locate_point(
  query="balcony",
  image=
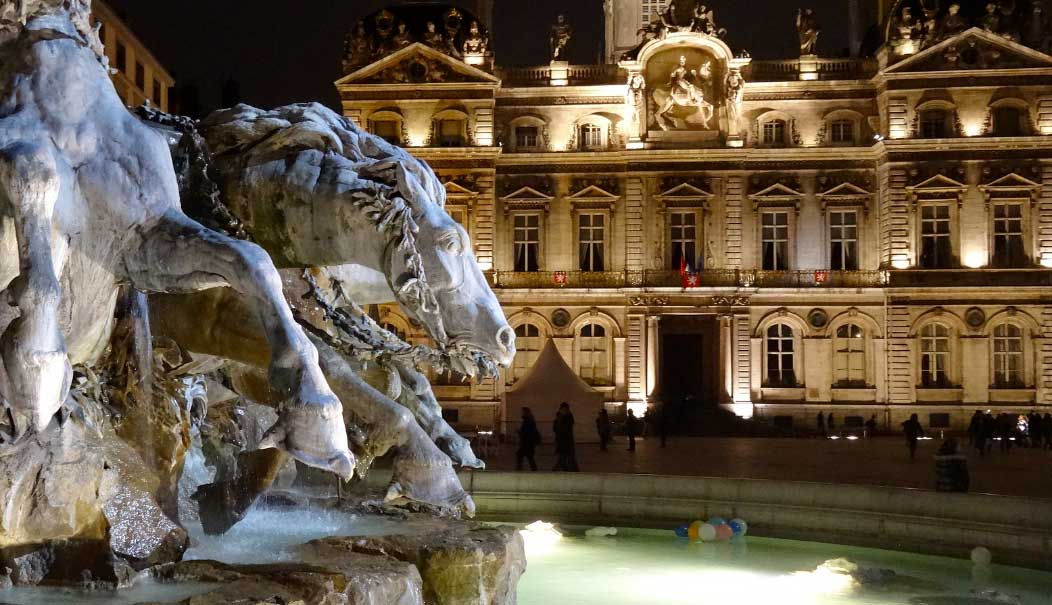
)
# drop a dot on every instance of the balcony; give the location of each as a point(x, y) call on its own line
point(827, 69)
point(718, 278)
point(578, 75)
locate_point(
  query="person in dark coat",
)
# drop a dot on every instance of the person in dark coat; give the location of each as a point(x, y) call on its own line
point(951, 468)
point(529, 439)
point(871, 427)
point(604, 428)
point(975, 428)
point(565, 449)
point(631, 427)
point(821, 424)
point(913, 431)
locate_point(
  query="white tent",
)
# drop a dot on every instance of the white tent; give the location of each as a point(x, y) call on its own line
point(549, 383)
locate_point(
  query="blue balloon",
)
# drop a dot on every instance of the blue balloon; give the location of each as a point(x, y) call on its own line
point(682, 531)
point(717, 521)
point(738, 526)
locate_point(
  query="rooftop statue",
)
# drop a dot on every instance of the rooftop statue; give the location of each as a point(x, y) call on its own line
point(704, 21)
point(904, 26)
point(358, 48)
point(560, 37)
point(953, 23)
point(475, 43)
point(1036, 31)
point(808, 30)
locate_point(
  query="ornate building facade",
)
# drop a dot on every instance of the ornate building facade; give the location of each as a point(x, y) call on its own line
point(864, 236)
point(138, 77)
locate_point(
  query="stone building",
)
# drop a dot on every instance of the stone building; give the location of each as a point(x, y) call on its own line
point(138, 76)
point(865, 236)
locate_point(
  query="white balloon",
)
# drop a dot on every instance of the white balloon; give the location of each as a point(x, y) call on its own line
point(707, 533)
point(981, 555)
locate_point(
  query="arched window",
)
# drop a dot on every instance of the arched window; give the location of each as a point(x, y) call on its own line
point(774, 133)
point(850, 359)
point(528, 344)
point(594, 351)
point(1008, 121)
point(934, 124)
point(1008, 357)
point(591, 137)
point(935, 356)
point(781, 356)
point(393, 329)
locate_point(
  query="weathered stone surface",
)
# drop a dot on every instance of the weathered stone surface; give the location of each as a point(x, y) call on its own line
point(460, 564)
point(334, 578)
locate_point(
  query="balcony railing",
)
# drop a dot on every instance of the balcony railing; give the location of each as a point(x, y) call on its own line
point(827, 69)
point(577, 75)
point(718, 278)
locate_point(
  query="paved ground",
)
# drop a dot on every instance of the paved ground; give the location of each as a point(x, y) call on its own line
point(880, 461)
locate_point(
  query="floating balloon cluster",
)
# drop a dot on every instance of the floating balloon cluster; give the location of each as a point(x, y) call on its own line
point(716, 529)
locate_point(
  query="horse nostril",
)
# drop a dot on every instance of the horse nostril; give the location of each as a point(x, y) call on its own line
point(506, 339)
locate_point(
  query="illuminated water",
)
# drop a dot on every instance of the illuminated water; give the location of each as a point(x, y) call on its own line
point(640, 567)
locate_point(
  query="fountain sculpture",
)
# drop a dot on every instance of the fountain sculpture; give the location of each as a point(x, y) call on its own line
point(127, 318)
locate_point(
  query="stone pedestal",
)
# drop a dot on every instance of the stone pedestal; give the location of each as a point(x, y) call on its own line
point(809, 67)
point(560, 73)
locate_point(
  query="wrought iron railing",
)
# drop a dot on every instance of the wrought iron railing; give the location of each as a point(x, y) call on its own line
point(717, 278)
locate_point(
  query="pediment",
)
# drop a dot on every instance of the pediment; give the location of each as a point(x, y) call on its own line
point(454, 189)
point(938, 183)
point(527, 194)
point(417, 64)
point(593, 192)
point(776, 191)
point(973, 49)
point(685, 191)
point(1011, 182)
point(845, 190)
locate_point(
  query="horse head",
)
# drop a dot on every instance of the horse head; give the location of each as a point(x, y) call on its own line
point(315, 190)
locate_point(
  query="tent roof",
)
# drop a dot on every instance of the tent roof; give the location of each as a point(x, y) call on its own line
point(551, 378)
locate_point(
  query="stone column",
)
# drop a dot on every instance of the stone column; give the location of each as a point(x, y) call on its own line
point(653, 358)
point(726, 358)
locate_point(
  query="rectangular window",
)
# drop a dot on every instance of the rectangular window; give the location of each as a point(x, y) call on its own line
point(157, 93)
point(651, 9)
point(451, 133)
point(683, 240)
point(1008, 357)
point(527, 242)
point(140, 76)
point(843, 240)
point(526, 137)
point(775, 235)
point(122, 57)
point(935, 356)
point(1009, 250)
point(460, 215)
point(774, 132)
point(936, 246)
point(1008, 122)
point(591, 236)
point(842, 132)
point(387, 130)
point(591, 137)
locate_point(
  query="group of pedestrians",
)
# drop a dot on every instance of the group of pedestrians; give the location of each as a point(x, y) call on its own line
point(563, 429)
point(1008, 430)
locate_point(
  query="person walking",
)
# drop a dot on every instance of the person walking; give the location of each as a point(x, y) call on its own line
point(604, 428)
point(529, 439)
point(975, 428)
point(565, 449)
point(831, 424)
point(821, 424)
point(1035, 429)
point(913, 430)
point(871, 427)
point(631, 426)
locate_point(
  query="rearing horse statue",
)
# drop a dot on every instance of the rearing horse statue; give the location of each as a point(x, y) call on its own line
point(88, 202)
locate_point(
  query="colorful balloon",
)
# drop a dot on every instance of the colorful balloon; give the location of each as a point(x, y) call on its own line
point(682, 531)
point(724, 532)
point(692, 530)
point(717, 521)
point(707, 533)
point(739, 526)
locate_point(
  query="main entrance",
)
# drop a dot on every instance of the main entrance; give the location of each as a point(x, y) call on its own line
point(690, 361)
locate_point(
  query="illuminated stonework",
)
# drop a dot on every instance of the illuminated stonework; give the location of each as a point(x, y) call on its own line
point(813, 242)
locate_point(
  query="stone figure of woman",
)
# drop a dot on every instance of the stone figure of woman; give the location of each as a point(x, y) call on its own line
point(636, 101)
point(735, 98)
point(561, 34)
point(953, 23)
point(808, 30)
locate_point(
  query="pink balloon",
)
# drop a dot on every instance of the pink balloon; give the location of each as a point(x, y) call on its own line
point(724, 533)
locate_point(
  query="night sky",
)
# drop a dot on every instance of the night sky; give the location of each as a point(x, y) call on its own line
point(286, 51)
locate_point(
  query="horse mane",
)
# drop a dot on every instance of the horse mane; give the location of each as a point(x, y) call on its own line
point(16, 14)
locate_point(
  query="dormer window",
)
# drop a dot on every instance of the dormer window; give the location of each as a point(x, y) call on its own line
point(387, 130)
point(774, 133)
point(527, 138)
point(934, 124)
point(842, 132)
